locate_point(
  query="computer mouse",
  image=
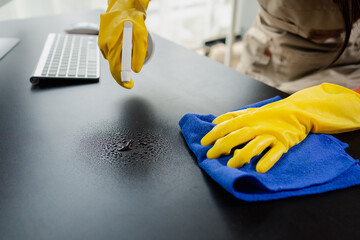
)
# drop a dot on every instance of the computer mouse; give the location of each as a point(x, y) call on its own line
point(84, 28)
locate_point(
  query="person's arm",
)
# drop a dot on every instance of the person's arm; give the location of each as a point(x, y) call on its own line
point(110, 35)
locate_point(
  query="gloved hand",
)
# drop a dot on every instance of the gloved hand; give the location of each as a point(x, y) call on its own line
point(326, 108)
point(110, 35)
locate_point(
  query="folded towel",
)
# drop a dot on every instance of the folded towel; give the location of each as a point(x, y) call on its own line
point(317, 164)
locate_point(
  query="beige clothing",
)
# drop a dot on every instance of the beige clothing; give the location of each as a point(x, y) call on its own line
point(291, 42)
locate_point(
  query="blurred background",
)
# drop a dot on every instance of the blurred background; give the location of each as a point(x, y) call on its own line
point(200, 25)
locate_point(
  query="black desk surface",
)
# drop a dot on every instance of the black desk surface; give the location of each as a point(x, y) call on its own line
point(62, 178)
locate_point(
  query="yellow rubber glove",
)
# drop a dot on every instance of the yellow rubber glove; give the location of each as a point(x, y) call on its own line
point(326, 108)
point(111, 34)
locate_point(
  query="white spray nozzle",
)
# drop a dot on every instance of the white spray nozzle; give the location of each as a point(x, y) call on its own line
point(126, 52)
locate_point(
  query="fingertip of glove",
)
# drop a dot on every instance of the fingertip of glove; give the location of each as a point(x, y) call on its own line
point(261, 168)
point(210, 155)
point(136, 68)
point(128, 85)
point(204, 142)
point(215, 121)
point(232, 163)
point(213, 153)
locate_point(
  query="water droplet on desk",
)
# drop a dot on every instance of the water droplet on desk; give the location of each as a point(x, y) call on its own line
point(127, 146)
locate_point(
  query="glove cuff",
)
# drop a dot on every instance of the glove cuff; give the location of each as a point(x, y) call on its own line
point(333, 88)
point(331, 108)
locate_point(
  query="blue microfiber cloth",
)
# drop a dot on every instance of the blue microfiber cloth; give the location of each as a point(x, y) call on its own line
point(318, 164)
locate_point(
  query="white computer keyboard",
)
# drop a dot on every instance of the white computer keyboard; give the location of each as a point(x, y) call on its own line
point(68, 57)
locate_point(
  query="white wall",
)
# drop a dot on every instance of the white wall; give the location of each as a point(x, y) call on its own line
point(186, 22)
point(31, 8)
